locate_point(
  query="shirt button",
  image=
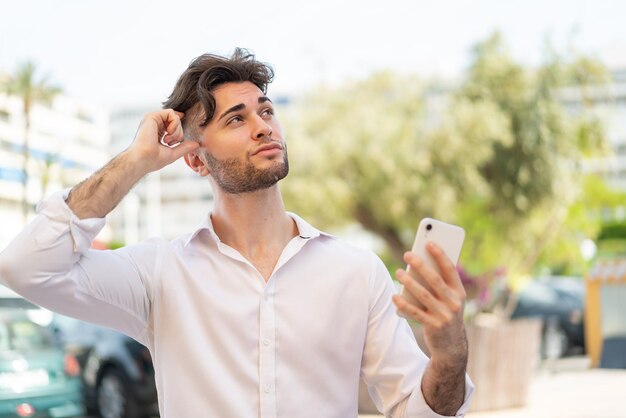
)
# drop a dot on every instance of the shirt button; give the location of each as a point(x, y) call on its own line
point(268, 389)
point(266, 341)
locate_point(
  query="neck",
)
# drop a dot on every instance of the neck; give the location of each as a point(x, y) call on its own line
point(254, 222)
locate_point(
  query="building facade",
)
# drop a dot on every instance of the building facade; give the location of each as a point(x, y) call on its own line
point(609, 104)
point(67, 142)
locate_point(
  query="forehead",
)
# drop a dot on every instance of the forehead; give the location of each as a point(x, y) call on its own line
point(231, 94)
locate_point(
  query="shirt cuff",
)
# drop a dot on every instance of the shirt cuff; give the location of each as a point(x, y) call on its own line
point(418, 408)
point(82, 231)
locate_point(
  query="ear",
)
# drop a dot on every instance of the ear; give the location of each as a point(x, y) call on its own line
point(197, 163)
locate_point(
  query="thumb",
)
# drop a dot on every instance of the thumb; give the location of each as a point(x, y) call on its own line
point(185, 147)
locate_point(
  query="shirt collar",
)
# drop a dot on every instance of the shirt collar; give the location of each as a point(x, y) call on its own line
point(305, 230)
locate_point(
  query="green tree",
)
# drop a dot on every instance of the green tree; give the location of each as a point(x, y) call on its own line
point(534, 178)
point(50, 161)
point(498, 154)
point(586, 219)
point(31, 90)
point(374, 152)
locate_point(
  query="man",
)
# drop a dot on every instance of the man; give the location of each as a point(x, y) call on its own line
point(256, 313)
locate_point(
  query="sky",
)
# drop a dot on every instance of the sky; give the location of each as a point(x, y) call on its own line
point(123, 53)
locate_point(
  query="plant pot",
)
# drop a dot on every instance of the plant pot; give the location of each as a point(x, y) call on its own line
point(502, 359)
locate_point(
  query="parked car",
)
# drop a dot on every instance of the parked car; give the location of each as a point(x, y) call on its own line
point(37, 378)
point(11, 300)
point(117, 372)
point(559, 301)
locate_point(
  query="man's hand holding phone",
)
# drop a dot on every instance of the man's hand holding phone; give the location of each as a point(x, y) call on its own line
point(433, 293)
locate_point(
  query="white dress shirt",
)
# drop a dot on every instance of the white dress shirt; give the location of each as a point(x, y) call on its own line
point(223, 341)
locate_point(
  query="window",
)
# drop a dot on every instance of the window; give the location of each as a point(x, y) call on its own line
point(27, 335)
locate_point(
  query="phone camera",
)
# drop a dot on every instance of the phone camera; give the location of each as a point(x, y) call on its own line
point(429, 227)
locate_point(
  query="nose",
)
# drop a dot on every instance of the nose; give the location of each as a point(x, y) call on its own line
point(263, 130)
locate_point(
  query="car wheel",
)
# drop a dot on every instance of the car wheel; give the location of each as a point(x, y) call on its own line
point(554, 342)
point(114, 396)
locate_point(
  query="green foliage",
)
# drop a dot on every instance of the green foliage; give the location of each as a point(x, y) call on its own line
point(29, 88)
point(614, 230)
point(498, 154)
point(584, 220)
point(611, 249)
point(113, 245)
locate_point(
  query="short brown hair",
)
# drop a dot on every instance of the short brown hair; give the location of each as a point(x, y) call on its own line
point(195, 86)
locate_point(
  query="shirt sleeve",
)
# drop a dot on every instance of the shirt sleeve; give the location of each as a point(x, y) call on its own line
point(51, 264)
point(393, 364)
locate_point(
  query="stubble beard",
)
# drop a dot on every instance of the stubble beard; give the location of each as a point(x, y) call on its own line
point(235, 176)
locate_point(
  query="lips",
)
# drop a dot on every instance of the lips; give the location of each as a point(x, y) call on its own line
point(268, 147)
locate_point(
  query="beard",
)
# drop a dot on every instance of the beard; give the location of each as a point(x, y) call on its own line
point(235, 176)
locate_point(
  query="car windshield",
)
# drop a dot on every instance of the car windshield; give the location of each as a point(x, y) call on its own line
point(539, 293)
point(22, 335)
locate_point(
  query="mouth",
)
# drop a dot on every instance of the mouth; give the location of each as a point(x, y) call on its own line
point(268, 149)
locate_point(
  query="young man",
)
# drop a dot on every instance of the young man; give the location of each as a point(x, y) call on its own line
point(255, 313)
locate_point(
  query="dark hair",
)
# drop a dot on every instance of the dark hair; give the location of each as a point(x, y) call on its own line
point(207, 72)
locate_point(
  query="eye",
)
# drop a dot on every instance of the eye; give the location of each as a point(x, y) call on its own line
point(234, 120)
point(267, 112)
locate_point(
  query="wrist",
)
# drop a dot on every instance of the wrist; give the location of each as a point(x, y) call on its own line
point(452, 363)
point(134, 165)
point(454, 356)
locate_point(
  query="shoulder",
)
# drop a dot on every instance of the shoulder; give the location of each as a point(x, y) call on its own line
point(345, 259)
point(344, 249)
point(322, 240)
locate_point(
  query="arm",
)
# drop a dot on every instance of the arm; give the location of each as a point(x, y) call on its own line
point(443, 383)
point(50, 261)
point(100, 193)
point(398, 374)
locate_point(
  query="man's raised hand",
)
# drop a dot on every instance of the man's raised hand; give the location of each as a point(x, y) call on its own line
point(160, 140)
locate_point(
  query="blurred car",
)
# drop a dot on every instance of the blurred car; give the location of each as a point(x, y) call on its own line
point(559, 302)
point(37, 379)
point(117, 371)
point(11, 300)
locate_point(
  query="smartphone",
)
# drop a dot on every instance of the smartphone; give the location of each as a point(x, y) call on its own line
point(447, 236)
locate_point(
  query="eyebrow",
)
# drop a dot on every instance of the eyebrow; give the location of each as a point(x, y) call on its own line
point(241, 106)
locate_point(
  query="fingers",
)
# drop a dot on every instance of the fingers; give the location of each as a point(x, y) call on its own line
point(409, 310)
point(439, 300)
point(159, 139)
point(184, 148)
point(422, 316)
point(171, 122)
point(449, 272)
point(440, 291)
point(439, 312)
point(440, 287)
point(173, 136)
